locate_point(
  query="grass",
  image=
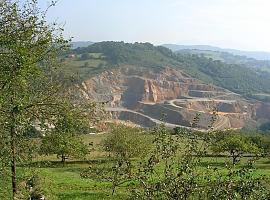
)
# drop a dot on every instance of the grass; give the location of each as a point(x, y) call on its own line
point(84, 68)
point(64, 182)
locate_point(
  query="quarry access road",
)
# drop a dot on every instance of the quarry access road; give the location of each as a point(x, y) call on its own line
point(222, 121)
point(156, 121)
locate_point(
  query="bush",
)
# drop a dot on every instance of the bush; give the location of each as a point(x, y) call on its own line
point(127, 142)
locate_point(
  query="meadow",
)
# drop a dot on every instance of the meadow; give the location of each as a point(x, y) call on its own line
point(65, 181)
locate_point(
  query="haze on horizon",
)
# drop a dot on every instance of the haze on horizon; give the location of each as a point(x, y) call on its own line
point(241, 24)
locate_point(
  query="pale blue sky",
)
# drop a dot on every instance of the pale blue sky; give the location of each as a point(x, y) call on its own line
point(241, 24)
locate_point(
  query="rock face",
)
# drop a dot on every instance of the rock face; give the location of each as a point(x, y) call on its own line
point(128, 86)
point(145, 96)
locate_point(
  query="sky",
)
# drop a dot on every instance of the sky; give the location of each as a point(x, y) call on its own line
point(239, 24)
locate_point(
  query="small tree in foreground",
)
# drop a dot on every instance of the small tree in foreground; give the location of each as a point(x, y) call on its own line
point(235, 145)
point(124, 144)
point(173, 170)
point(262, 142)
point(63, 139)
point(64, 145)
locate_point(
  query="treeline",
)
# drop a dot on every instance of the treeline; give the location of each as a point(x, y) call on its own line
point(229, 58)
point(140, 54)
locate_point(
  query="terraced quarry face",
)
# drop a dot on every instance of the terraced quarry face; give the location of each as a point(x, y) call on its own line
point(148, 97)
point(228, 113)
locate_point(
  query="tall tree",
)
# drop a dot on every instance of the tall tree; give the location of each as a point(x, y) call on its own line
point(29, 49)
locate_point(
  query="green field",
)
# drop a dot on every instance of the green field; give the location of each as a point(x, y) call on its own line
point(65, 182)
point(84, 68)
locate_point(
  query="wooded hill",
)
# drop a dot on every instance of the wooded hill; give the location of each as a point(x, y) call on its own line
point(98, 57)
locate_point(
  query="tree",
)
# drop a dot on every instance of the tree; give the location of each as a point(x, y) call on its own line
point(125, 143)
point(86, 64)
point(265, 127)
point(173, 170)
point(64, 145)
point(29, 50)
point(235, 144)
point(63, 139)
point(262, 142)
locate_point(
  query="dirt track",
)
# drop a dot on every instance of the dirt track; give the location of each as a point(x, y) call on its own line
point(156, 121)
point(221, 122)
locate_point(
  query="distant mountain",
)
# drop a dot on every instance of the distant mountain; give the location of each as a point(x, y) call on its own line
point(259, 55)
point(75, 45)
point(230, 58)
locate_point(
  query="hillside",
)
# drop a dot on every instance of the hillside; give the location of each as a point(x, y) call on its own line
point(142, 82)
point(259, 55)
point(102, 56)
point(75, 45)
point(147, 97)
point(237, 78)
point(229, 58)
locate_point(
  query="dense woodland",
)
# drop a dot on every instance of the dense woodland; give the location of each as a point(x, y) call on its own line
point(47, 146)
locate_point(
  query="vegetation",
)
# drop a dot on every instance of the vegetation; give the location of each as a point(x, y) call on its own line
point(229, 58)
point(63, 138)
point(235, 77)
point(182, 167)
point(40, 114)
point(173, 171)
point(126, 142)
point(235, 145)
point(123, 144)
point(32, 94)
point(163, 166)
point(265, 126)
point(27, 56)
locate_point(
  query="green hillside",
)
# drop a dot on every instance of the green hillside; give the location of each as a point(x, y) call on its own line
point(237, 78)
point(229, 58)
point(258, 55)
point(91, 60)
